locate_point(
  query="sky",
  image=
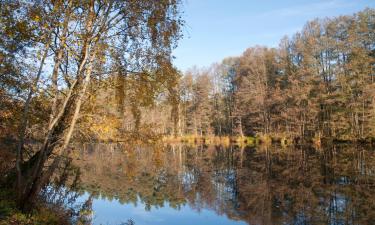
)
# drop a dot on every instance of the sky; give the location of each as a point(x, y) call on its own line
point(216, 29)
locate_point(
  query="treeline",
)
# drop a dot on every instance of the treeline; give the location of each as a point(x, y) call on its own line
point(318, 83)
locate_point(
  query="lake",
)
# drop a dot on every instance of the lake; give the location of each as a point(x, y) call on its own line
point(232, 185)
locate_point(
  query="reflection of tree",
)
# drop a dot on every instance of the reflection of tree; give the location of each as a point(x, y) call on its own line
point(62, 192)
point(301, 191)
point(267, 185)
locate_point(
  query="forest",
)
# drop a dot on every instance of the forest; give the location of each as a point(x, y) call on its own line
point(102, 71)
point(319, 83)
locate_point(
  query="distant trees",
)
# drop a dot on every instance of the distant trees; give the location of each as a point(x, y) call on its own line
point(320, 82)
point(195, 102)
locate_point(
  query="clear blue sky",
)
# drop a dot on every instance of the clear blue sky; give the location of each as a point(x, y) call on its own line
point(216, 29)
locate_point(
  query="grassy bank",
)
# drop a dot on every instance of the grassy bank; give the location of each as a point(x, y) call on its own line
point(227, 140)
point(41, 214)
point(9, 213)
point(44, 212)
point(264, 139)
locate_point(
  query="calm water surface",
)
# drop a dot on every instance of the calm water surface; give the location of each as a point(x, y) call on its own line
point(180, 184)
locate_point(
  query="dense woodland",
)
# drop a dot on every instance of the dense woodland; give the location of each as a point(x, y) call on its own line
point(319, 83)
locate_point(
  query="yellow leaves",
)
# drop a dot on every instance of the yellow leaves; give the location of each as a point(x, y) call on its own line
point(104, 127)
point(36, 18)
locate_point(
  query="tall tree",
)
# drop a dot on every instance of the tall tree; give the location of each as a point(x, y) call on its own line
point(86, 35)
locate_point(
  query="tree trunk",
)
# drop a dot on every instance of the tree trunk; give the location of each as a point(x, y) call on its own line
point(240, 126)
point(24, 122)
point(59, 131)
point(58, 59)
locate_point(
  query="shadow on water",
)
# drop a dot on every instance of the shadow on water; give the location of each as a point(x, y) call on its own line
point(228, 185)
point(63, 191)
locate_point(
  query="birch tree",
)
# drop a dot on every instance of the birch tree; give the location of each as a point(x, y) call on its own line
point(85, 38)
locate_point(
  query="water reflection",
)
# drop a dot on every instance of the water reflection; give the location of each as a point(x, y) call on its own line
point(180, 184)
